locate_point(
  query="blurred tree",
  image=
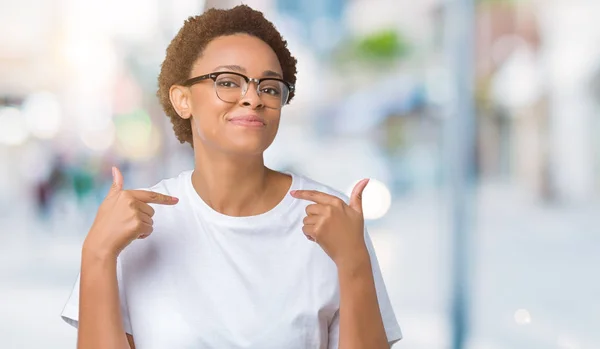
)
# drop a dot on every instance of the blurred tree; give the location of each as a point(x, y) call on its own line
point(384, 45)
point(378, 49)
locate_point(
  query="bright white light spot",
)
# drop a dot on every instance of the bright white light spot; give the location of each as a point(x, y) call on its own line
point(13, 130)
point(99, 139)
point(522, 317)
point(377, 199)
point(91, 58)
point(42, 113)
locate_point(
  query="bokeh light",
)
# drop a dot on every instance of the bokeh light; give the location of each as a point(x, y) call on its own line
point(43, 114)
point(13, 129)
point(99, 139)
point(522, 317)
point(377, 199)
point(137, 138)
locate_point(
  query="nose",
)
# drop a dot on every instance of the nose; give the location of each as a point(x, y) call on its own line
point(251, 97)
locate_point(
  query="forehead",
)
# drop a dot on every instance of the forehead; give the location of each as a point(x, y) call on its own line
point(246, 51)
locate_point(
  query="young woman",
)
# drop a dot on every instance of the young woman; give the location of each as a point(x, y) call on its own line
point(231, 254)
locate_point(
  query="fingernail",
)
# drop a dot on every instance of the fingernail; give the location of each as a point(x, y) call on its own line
point(293, 192)
point(174, 199)
point(113, 171)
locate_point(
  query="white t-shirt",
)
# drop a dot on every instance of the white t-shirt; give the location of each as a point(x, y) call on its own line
point(207, 280)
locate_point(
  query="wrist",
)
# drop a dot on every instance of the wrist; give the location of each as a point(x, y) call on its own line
point(92, 253)
point(357, 263)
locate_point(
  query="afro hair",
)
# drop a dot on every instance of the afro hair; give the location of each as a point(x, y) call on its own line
point(191, 40)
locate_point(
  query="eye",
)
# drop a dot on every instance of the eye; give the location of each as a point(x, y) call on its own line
point(229, 81)
point(271, 88)
point(271, 91)
point(227, 84)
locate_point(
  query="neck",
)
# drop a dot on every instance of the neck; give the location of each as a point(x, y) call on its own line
point(232, 185)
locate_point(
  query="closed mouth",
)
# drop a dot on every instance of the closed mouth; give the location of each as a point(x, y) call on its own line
point(247, 120)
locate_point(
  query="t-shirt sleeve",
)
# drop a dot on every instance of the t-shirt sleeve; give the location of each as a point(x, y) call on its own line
point(70, 313)
point(392, 328)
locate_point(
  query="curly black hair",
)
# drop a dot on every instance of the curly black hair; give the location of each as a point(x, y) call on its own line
point(191, 40)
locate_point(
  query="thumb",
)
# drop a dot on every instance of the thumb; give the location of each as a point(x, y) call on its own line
point(356, 196)
point(117, 185)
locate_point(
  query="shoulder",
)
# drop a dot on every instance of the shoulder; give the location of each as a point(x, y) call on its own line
point(166, 219)
point(177, 186)
point(305, 183)
point(171, 186)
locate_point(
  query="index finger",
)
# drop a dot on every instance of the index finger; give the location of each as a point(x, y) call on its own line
point(151, 197)
point(315, 196)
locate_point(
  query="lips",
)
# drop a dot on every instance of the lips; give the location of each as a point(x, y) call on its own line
point(247, 120)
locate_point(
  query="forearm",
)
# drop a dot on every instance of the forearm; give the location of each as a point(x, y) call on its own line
point(100, 320)
point(361, 325)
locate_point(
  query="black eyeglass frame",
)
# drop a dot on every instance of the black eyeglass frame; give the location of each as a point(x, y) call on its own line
point(215, 75)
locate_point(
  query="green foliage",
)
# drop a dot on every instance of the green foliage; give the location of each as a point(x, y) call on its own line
point(382, 47)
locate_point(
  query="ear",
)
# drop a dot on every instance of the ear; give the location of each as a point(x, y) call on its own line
point(180, 99)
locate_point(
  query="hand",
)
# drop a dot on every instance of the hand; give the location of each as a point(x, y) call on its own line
point(338, 228)
point(123, 216)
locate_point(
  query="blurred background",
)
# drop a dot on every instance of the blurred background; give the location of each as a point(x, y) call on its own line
point(507, 236)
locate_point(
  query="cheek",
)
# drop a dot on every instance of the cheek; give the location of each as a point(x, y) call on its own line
point(208, 115)
point(274, 126)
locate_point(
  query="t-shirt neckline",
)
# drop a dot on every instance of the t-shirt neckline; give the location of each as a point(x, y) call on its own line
point(273, 214)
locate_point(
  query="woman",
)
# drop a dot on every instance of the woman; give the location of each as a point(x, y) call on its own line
point(232, 254)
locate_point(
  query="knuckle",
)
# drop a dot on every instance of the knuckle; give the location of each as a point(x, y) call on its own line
point(131, 204)
point(137, 224)
point(154, 195)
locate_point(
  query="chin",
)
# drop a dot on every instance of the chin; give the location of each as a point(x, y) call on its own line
point(250, 147)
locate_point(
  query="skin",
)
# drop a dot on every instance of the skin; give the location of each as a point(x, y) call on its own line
point(231, 177)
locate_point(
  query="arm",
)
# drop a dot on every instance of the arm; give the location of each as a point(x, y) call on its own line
point(100, 321)
point(361, 325)
point(339, 229)
point(123, 216)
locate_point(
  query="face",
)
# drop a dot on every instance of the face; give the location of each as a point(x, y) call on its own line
point(243, 127)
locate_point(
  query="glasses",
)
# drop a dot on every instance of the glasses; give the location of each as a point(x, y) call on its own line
point(231, 87)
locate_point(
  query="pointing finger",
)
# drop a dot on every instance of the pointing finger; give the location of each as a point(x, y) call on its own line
point(151, 197)
point(315, 196)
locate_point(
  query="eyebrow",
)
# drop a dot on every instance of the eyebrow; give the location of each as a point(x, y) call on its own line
point(239, 69)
